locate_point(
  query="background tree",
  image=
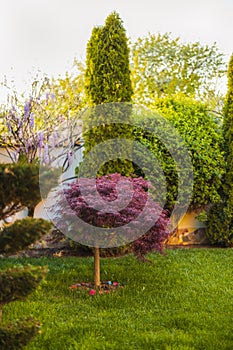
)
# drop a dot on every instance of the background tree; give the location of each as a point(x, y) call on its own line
point(162, 65)
point(27, 124)
point(220, 217)
point(65, 95)
point(228, 143)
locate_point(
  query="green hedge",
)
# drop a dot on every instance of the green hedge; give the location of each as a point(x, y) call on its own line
point(201, 133)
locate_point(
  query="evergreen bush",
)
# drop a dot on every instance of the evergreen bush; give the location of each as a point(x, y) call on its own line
point(16, 335)
point(199, 129)
point(19, 187)
point(21, 234)
point(220, 218)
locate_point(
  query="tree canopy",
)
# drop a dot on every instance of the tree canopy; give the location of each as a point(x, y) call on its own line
point(162, 65)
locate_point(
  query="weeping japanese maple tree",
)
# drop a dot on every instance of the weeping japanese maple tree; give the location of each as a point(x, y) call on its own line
point(90, 217)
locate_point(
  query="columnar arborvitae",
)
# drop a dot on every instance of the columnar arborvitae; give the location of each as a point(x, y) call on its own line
point(107, 80)
point(228, 149)
point(220, 221)
point(228, 138)
point(107, 72)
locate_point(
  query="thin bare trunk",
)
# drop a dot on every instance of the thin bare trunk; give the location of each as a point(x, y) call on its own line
point(31, 211)
point(97, 267)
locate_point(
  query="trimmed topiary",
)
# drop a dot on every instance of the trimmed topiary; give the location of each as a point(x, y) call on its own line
point(19, 187)
point(18, 283)
point(21, 234)
point(15, 336)
point(15, 285)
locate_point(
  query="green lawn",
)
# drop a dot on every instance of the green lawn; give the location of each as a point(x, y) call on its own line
point(183, 301)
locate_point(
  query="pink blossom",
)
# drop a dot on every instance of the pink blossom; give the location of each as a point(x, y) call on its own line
point(92, 292)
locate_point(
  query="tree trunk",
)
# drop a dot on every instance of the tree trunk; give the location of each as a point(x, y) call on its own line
point(31, 211)
point(0, 312)
point(97, 267)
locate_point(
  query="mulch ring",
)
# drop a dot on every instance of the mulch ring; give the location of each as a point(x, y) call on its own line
point(104, 288)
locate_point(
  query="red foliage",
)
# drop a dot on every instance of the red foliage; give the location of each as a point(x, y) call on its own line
point(99, 210)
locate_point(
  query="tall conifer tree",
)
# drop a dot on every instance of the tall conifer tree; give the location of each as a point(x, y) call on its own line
point(107, 72)
point(108, 81)
point(228, 149)
point(220, 221)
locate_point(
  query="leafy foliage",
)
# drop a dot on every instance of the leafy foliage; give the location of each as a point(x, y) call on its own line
point(107, 80)
point(27, 126)
point(200, 131)
point(18, 283)
point(217, 221)
point(162, 65)
point(19, 184)
point(220, 218)
point(15, 336)
point(21, 234)
point(107, 188)
point(228, 140)
point(19, 187)
point(65, 96)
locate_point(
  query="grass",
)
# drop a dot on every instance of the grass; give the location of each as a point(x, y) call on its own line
point(183, 301)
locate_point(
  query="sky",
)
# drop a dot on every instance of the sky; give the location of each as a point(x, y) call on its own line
point(45, 36)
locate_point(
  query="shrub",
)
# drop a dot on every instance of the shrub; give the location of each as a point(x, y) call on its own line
point(220, 218)
point(19, 186)
point(200, 131)
point(14, 336)
point(21, 234)
point(18, 283)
